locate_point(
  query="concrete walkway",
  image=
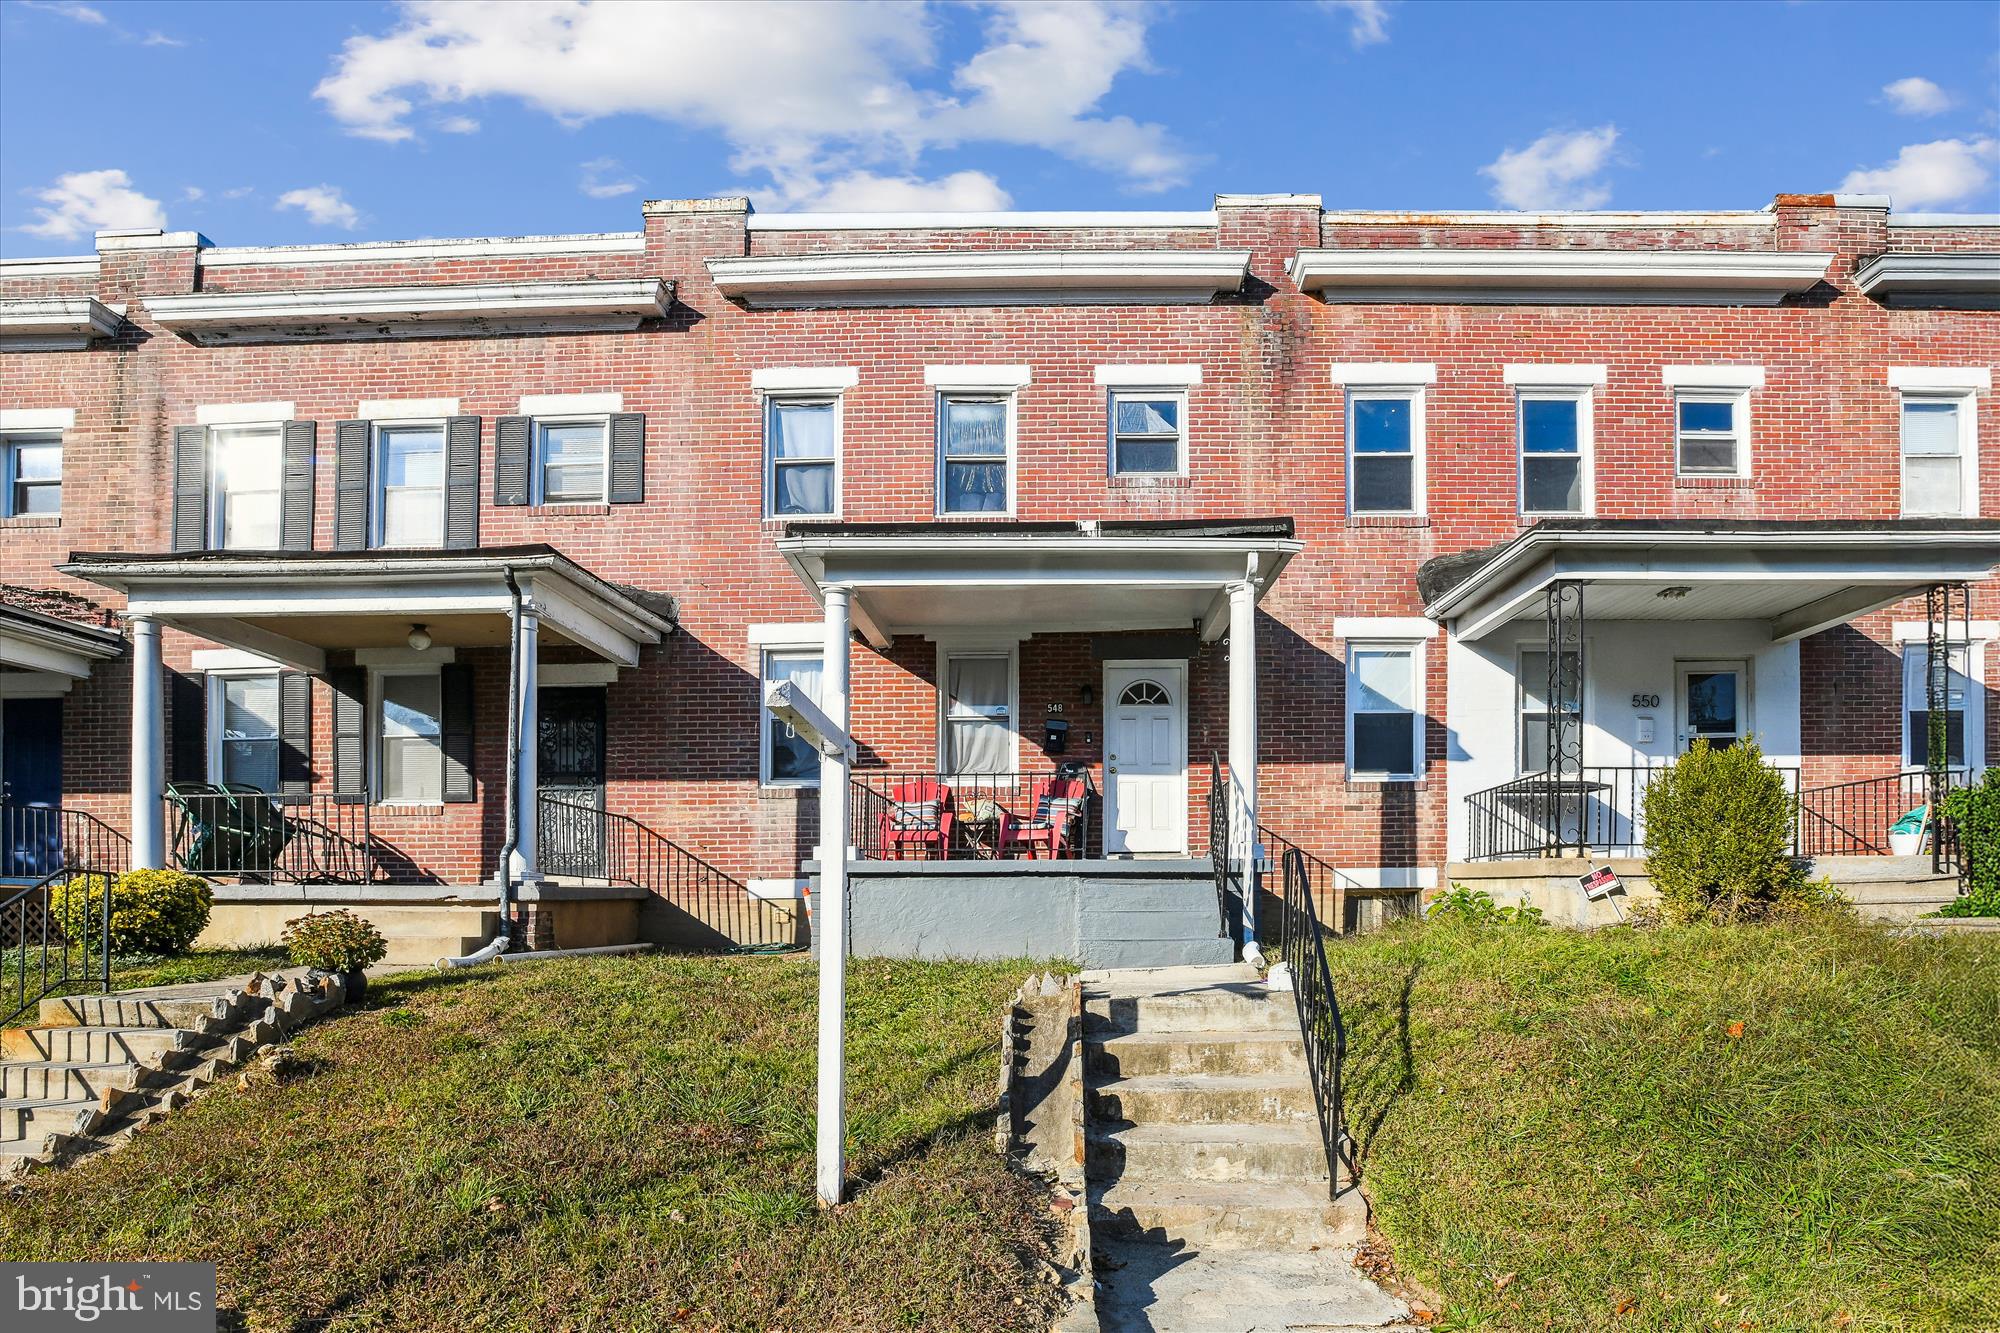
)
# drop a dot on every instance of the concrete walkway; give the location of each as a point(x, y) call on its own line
point(1207, 1175)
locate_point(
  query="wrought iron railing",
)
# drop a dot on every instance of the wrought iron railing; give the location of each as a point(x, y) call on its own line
point(1854, 818)
point(941, 817)
point(44, 951)
point(1601, 810)
point(719, 912)
point(1218, 845)
point(242, 833)
point(1302, 945)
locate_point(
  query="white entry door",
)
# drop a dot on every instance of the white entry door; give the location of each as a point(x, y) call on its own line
point(1714, 703)
point(1145, 758)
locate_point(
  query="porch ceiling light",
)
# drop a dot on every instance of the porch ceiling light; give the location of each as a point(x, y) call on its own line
point(1673, 594)
point(420, 638)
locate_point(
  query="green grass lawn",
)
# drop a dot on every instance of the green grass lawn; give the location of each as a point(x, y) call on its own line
point(1705, 1128)
point(609, 1143)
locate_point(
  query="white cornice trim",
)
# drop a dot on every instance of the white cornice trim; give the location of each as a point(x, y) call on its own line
point(1962, 379)
point(1146, 377)
point(1712, 377)
point(804, 379)
point(982, 277)
point(37, 418)
point(1500, 217)
point(56, 323)
point(1555, 377)
point(242, 414)
point(1622, 277)
point(1384, 627)
point(368, 312)
point(561, 404)
point(396, 252)
point(1965, 274)
point(1944, 219)
point(51, 266)
point(977, 377)
point(972, 221)
point(1388, 374)
point(405, 409)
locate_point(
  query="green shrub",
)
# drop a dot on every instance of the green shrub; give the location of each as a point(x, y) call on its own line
point(336, 941)
point(1476, 907)
point(152, 911)
point(1975, 812)
point(1719, 836)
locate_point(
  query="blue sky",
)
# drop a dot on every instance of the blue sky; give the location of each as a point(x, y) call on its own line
point(270, 123)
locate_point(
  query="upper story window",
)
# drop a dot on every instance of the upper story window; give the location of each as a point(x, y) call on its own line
point(246, 488)
point(1384, 711)
point(410, 485)
point(802, 453)
point(572, 461)
point(975, 453)
point(1385, 447)
point(1554, 452)
point(1146, 432)
point(34, 475)
point(1937, 451)
point(1711, 438)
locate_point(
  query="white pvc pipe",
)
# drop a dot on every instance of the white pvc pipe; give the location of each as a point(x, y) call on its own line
point(493, 949)
point(537, 955)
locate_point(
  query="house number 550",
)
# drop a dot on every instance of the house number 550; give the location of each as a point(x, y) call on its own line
point(1645, 701)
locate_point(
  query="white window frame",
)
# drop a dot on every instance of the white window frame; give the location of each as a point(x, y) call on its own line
point(1009, 648)
point(767, 401)
point(1586, 446)
point(377, 497)
point(377, 791)
point(766, 650)
point(1177, 393)
point(538, 456)
point(1415, 649)
point(1738, 401)
point(1521, 710)
point(1966, 401)
point(1917, 648)
point(12, 441)
point(217, 509)
point(1419, 460)
point(1009, 398)
point(213, 702)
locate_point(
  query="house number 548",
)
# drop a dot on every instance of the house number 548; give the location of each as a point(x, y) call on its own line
point(1645, 701)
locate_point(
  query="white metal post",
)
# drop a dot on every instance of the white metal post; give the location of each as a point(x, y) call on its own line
point(830, 910)
point(527, 860)
point(149, 761)
point(1243, 750)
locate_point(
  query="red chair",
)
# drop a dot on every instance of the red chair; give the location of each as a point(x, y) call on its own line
point(920, 815)
point(1056, 826)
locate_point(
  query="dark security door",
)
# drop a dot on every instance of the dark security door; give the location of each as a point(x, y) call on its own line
point(30, 787)
point(571, 771)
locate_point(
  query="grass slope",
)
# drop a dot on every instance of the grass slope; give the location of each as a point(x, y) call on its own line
point(1572, 1131)
point(611, 1143)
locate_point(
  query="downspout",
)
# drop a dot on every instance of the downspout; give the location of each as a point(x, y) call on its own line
point(504, 879)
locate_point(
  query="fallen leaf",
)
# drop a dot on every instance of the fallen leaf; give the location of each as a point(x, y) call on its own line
point(1625, 1305)
point(1502, 1282)
point(1736, 1028)
point(1723, 1298)
point(1842, 1319)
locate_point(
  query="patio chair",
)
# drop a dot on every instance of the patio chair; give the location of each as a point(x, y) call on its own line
point(920, 815)
point(1055, 829)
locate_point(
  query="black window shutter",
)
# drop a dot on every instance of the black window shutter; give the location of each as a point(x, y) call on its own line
point(295, 521)
point(294, 735)
point(350, 486)
point(187, 751)
point(350, 734)
point(628, 458)
point(455, 685)
point(461, 484)
point(190, 488)
point(513, 455)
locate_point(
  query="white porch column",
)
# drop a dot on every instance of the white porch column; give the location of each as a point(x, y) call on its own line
point(526, 864)
point(830, 908)
point(1243, 751)
point(149, 747)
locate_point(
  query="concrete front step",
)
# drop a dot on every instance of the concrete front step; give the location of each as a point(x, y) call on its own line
point(96, 1045)
point(1231, 1215)
point(47, 1082)
point(33, 1121)
point(1147, 1287)
point(1245, 1151)
point(1234, 1007)
point(1205, 1099)
point(193, 1012)
point(1138, 1054)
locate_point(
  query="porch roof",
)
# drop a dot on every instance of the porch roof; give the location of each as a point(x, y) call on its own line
point(1038, 578)
point(291, 606)
point(36, 641)
point(1799, 577)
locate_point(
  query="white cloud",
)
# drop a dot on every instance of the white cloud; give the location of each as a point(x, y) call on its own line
point(807, 94)
point(323, 204)
point(192, 193)
point(239, 192)
point(865, 192)
point(1557, 171)
point(1368, 20)
point(597, 182)
point(1916, 97)
point(458, 125)
point(82, 202)
point(1929, 175)
point(160, 39)
point(80, 13)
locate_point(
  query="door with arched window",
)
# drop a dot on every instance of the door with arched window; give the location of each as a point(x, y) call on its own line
point(1145, 758)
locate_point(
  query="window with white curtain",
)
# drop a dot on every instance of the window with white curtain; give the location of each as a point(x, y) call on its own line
point(975, 433)
point(410, 737)
point(802, 453)
point(246, 480)
point(1384, 716)
point(409, 481)
point(978, 713)
point(789, 758)
point(243, 730)
point(1917, 705)
point(1936, 449)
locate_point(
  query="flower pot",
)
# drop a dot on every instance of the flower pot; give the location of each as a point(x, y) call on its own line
point(356, 983)
point(1906, 844)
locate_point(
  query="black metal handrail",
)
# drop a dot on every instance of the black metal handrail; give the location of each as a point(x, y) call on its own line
point(1326, 880)
point(1853, 818)
point(242, 833)
point(1601, 810)
point(1302, 945)
point(1218, 843)
point(592, 843)
point(43, 954)
point(989, 816)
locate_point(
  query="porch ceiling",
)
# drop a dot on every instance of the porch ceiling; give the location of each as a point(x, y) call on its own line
point(1799, 578)
point(294, 606)
point(1038, 578)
